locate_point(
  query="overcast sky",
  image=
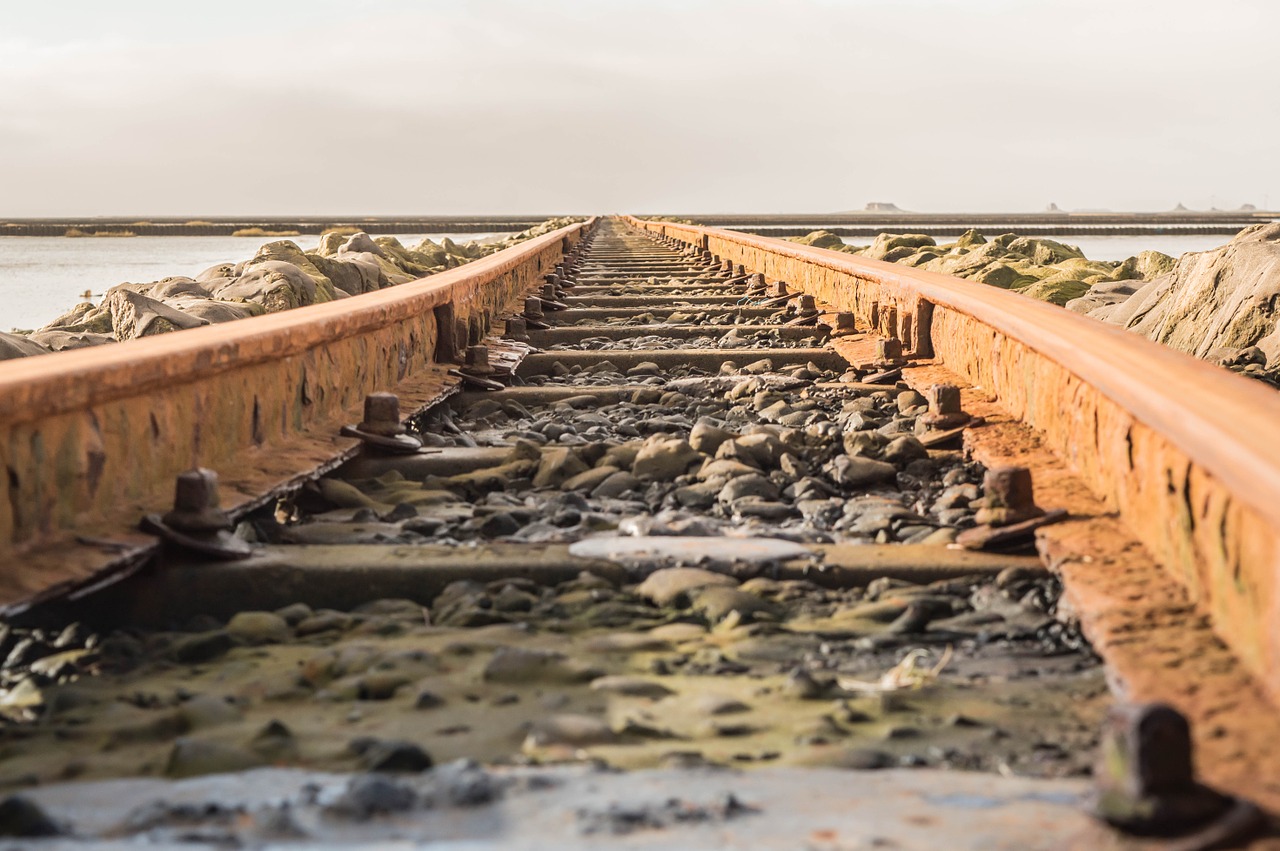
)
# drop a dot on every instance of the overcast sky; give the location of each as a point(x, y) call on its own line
point(364, 107)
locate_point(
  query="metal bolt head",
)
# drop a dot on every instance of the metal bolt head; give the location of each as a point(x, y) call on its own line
point(382, 414)
point(1009, 487)
point(845, 322)
point(889, 349)
point(549, 292)
point(195, 503)
point(808, 304)
point(727, 266)
point(196, 490)
point(478, 359)
point(1146, 750)
point(517, 328)
point(533, 307)
point(943, 399)
point(740, 271)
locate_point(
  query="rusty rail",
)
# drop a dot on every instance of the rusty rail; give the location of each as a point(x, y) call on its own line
point(90, 439)
point(1182, 450)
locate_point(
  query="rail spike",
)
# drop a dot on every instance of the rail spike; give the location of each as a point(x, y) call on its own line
point(381, 430)
point(197, 524)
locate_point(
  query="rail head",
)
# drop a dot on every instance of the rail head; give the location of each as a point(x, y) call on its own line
point(35, 388)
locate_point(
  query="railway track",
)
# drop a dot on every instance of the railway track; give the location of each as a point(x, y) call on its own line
point(708, 500)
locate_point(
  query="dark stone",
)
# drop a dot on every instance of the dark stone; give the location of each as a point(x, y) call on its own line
point(373, 794)
point(204, 647)
point(22, 817)
point(391, 755)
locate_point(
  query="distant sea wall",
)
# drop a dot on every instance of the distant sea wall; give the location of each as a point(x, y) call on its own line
point(229, 227)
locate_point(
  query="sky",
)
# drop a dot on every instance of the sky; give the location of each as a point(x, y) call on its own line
point(396, 107)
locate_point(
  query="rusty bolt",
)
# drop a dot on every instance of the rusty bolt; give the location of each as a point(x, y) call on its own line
point(533, 307)
point(727, 266)
point(944, 409)
point(382, 414)
point(740, 271)
point(478, 360)
point(195, 503)
point(845, 323)
point(943, 399)
point(1008, 497)
point(517, 329)
point(549, 292)
point(777, 288)
point(1145, 780)
point(756, 282)
point(889, 349)
point(808, 305)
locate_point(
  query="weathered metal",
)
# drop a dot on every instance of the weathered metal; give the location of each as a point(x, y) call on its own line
point(1145, 782)
point(197, 522)
point(1169, 442)
point(90, 440)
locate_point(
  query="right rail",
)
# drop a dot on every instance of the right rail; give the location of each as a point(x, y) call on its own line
point(1184, 451)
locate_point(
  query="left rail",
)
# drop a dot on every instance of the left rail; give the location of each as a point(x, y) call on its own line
point(91, 439)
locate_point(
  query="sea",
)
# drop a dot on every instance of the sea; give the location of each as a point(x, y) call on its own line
point(42, 277)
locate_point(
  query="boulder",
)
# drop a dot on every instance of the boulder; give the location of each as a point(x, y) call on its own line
point(1228, 297)
point(887, 242)
point(18, 346)
point(134, 315)
point(61, 340)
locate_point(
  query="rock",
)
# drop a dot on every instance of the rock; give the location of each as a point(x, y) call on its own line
point(859, 472)
point(589, 480)
point(202, 647)
point(718, 704)
point(57, 340)
point(206, 710)
point(753, 485)
point(134, 315)
point(570, 730)
point(616, 485)
point(672, 585)
point(631, 687)
point(663, 459)
point(259, 628)
point(20, 816)
point(762, 451)
point(1225, 298)
point(902, 450)
point(514, 665)
point(715, 603)
point(820, 239)
point(886, 243)
point(368, 795)
point(391, 755)
point(706, 438)
point(864, 759)
point(195, 757)
point(557, 465)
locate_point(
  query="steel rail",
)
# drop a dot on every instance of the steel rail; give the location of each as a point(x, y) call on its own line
point(1184, 451)
point(89, 439)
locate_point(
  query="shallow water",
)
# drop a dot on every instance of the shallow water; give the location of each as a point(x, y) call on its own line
point(42, 277)
point(1111, 247)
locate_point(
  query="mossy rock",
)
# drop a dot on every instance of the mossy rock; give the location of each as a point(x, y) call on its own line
point(820, 239)
point(888, 242)
point(997, 275)
point(1055, 292)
